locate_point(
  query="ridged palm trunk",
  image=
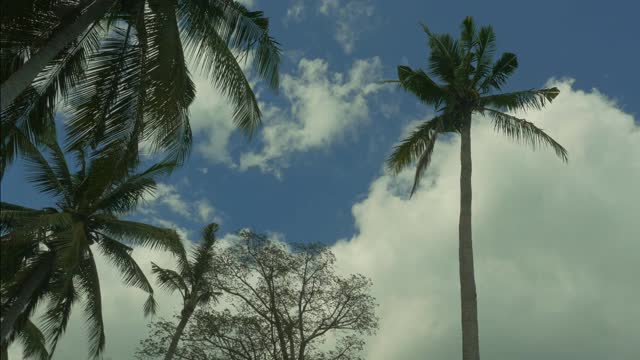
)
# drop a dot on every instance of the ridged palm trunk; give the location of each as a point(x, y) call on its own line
point(10, 317)
point(468, 298)
point(20, 80)
point(184, 319)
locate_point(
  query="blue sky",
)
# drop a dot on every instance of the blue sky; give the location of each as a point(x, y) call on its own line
point(329, 185)
point(312, 200)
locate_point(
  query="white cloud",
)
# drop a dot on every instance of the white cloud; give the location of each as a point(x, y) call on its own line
point(351, 17)
point(556, 245)
point(323, 107)
point(170, 197)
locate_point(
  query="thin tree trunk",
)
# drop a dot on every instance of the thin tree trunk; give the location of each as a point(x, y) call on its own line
point(468, 297)
point(4, 352)
point(20, 80)
point(184, 319)
point(25, 294)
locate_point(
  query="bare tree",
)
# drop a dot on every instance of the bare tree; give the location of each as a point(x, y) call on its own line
point(285, 303)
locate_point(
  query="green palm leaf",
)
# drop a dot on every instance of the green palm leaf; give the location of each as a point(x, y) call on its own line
point(520, 100)
point(119, 255)
point(415, 145)
point(33, 342)
point(89, 287)
point(526, 132)
point(170, 280)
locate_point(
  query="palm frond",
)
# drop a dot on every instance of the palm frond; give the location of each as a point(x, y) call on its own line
point(119, 255)
point(212, 56)
point(127, 194)
point(141, 234)
point(414, 146)
point(418, 83)
point(170, 280)
point(485, 48)
point(243, 30)
point(500, 72)
point(59, 303)
point(523, 131)
point(521, 100)
point(33, 342)
point(41, 174)
point(424, 161)
point(445, 56)
point(202, 259)
point(89, 287)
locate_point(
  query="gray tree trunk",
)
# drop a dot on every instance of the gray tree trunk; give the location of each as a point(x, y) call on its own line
point(184, 319)
point(20, 80)
point(10, 316)
point(468, 297)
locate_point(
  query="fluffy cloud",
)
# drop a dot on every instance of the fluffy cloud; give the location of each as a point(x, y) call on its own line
point(169, 197)
point(556, 245)
point(323, 106)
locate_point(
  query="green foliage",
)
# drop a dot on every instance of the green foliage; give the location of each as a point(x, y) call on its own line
point(52, 247)
point(125, 80)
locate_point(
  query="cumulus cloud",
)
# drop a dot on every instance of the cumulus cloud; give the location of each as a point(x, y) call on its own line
point(556, 245)
point(323, 106)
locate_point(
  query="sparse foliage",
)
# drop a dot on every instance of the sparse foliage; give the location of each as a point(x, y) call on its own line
point(283, 304)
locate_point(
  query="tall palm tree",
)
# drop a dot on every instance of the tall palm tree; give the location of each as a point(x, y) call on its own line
point(191, 281)
point(51, 249)
point(470, 82)
point(122, 68)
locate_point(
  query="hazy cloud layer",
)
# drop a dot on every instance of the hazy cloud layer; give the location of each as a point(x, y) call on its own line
point(323, 106)
point(556, 245)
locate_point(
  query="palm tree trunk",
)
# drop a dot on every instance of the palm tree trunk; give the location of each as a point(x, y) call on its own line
point(468, 297)
point(4, 352)
point(184, 319)
point(25, 295)
point(20, 80)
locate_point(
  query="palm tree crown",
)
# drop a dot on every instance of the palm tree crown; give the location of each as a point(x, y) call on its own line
point(48, 253)
point(123, 70)
point(468, 79)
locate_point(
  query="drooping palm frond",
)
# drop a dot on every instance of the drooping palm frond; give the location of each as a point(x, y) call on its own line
point(119, 255)
point(424, 161)
point(415, 145)
point(170, 280)
point(526, 132)
point(140, 234)
point(33, 342)
point(520, 100)
point(61, 297)
point(89, 287)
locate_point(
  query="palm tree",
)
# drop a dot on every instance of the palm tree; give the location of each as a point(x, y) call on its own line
point(51, 249)
point(122, 68)
point(32, 340)
point(469, 80)
point(191, 281)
